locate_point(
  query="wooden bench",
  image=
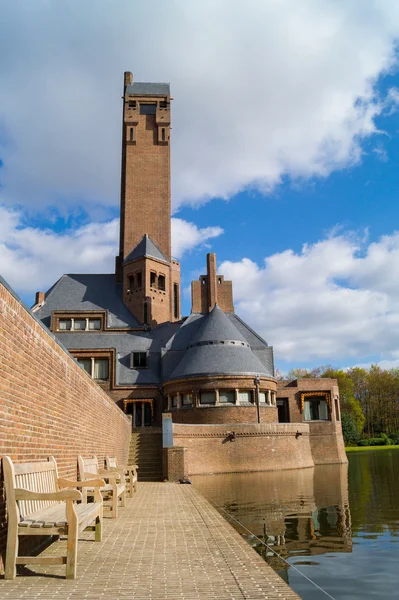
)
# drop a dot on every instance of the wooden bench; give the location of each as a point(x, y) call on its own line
point(115, 489)
point(129, 471)
point(40, 503)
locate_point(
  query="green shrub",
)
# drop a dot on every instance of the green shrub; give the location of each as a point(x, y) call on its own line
point(383, 440)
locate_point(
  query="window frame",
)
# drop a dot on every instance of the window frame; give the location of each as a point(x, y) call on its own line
point(93, 360)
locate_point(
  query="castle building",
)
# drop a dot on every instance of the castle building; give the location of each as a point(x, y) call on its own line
point(208, 370)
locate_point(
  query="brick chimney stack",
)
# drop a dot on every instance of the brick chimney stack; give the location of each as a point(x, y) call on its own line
point(211, 280)
point(128, 78)
point(211, 289)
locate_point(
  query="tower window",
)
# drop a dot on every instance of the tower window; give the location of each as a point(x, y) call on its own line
point(131, 134)
point(131, 282)
point(145, 310)
point(163, 136)
point(132, 104)
point(148, 109)
point(139, 279)
point(163, 104)
point(153, 278)
point(175, 300)
point(161, 282)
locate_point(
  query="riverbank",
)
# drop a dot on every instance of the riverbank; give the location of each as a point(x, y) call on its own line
point(365, 448)
point(168, 542)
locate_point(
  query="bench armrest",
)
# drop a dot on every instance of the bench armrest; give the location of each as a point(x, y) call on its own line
point(110, 474)
point(22, 494)
point(66, 483)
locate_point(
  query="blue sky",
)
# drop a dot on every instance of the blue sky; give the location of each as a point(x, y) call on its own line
point(284, 156)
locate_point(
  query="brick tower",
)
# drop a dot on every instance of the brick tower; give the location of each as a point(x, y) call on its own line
point(150, 278)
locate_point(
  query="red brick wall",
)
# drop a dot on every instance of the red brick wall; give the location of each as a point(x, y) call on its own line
point(48, 404)
point(327, 442)
point(224, 414)
point(264, 447)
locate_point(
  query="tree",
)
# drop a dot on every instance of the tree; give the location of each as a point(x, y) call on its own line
point(349, 430)
point(349, 403)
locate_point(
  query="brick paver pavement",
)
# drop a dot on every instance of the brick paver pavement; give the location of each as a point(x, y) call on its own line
point(169, 542)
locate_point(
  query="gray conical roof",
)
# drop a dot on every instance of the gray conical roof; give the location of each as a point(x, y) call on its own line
point(145, 248)
point(217, 327)
point(218, 348)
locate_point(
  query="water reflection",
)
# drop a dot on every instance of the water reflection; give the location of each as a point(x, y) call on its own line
point(300, 513)
point(304, 516)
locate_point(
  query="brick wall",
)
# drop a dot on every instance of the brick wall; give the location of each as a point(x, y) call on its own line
point(224, 414)
point(48, 404)
point(264, 447)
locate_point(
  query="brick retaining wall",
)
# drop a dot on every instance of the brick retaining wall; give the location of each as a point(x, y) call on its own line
point(264, 447)
point(48, 404)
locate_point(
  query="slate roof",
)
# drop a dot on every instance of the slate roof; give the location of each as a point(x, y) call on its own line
point(140, 88)
point(88, 292)
point(125, 343)
point(216, 343)
point(219, 360)
point(215, 347)
point(145, 248)
point(217, 327)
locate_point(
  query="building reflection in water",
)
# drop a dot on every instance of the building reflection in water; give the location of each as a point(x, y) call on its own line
point(300, 513)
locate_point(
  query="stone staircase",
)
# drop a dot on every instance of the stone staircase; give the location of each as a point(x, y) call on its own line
point(146, 452)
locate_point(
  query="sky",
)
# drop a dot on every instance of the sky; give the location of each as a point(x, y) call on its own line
point(285, 148)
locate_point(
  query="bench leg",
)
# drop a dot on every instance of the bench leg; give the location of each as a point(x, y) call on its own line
point(11, 554)
point(114, 504)
point(135, 486)
point(123, 498)
point(72, 542)
point(131, 485)
point(98, 536)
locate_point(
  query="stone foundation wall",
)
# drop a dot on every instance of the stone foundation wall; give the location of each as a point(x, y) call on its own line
point(48, 404)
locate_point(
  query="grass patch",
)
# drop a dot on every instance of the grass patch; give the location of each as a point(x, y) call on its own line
point(364, 448)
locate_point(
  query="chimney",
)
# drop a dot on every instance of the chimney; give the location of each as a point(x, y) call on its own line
point(39, 298)
point(128, 78)
point(211, 280)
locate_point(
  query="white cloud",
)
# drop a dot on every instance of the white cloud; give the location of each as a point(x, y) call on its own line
point(187, 236)
point(32, 258)
point(335, 300)
point(262, 91)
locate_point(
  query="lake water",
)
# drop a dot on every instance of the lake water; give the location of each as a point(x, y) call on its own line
point(337, 524)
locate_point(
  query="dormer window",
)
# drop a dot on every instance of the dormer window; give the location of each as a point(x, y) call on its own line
point(138, 360)
point(153, 279)
point(97, 368)
point(79, 324)
point(64, 324)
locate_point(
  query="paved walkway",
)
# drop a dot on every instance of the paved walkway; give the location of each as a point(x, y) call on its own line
point(168, 542)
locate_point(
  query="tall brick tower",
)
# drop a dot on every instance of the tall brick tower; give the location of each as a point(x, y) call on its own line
point(150, 278)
